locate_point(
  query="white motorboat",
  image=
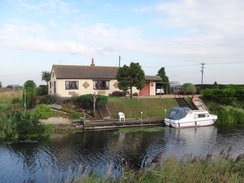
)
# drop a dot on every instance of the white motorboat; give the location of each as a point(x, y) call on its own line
point(184, 117)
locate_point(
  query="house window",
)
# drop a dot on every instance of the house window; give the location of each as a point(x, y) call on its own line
point(71, 85)
point(101, 85)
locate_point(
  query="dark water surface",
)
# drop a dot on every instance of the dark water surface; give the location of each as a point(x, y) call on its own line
point(60, 157)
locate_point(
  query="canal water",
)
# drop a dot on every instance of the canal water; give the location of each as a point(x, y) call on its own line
point(61, 157)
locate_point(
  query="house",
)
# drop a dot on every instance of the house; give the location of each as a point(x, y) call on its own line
point(70, 80)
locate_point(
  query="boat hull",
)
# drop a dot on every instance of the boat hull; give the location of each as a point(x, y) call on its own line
point(187, 123)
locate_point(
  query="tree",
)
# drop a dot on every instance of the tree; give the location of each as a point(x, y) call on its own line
point(1, 84)
point(129, 76)
point(215, 85)
point(189, 88)
point(46, 76)
point(29, 83)
point(165, 79)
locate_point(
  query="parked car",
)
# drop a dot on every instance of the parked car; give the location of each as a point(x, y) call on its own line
point(159, 91)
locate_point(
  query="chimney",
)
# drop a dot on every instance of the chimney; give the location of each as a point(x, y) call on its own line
point(92, 64)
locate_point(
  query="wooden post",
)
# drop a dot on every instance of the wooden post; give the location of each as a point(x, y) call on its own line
point(94, 102)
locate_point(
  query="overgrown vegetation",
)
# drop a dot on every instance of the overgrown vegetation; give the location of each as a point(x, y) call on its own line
point(189, 169)
point(20, 122)
point(10, 98)
point(227, 103)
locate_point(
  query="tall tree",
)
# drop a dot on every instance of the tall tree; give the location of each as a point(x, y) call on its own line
point(1, 84)
point(129, 76)
point(46, 76)
point(29, 93)
point(165, 79)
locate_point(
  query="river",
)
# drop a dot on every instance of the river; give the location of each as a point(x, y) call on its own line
point(60, 157)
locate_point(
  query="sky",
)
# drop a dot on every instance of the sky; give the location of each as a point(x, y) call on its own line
point(178, 35)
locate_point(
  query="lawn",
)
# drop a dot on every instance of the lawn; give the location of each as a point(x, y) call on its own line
point(154, 107)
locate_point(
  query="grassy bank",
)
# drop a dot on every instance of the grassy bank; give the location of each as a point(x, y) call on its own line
point(7, 96)
point(133, 108)
point(190, 169)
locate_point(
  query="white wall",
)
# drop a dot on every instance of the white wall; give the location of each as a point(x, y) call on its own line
point(85, 87)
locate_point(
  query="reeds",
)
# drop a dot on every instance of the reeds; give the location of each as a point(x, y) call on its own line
point(232, 116)
point(222, 168)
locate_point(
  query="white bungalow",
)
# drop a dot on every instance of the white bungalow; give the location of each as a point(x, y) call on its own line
point(70, 80)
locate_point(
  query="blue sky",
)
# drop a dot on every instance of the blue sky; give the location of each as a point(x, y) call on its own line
point(176, 34)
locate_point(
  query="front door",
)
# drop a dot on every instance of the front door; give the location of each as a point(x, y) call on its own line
point(145, 90)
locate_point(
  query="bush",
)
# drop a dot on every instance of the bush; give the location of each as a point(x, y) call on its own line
point(86, 101)
point(135, 94)
point(77, 115)
point(83, 101)
point(101, 100)
point(118, 94)
point(16, 101)
point(47, 99)
point(221, 96)
point(43, 111)
point(19, 122)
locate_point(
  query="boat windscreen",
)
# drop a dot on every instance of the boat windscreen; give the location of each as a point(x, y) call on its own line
point(177, 114)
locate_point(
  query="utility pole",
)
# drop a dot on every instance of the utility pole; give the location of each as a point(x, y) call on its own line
point(119, 60)
point(202, 68)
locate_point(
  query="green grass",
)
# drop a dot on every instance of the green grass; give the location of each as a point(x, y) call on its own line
point(133, 107)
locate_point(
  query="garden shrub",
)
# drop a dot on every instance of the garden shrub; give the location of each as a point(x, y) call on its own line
point(118, 94)
point(86, 101)
point(43, 111)
point(19, 122)
point(47, 99)
point(101, 100)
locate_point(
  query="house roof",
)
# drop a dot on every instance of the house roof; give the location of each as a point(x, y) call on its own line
point(90, 72)
point(84, 72)
point(153, 78)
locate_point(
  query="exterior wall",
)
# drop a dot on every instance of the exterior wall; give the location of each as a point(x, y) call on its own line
point(152, 86)
point(85, 86)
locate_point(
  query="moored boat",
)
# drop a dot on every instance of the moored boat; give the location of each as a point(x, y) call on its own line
point(184, 117)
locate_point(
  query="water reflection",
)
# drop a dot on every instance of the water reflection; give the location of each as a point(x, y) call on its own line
point(60, 156)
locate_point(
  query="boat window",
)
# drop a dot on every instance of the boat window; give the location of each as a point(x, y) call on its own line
point(183, 113)
point(202, 115)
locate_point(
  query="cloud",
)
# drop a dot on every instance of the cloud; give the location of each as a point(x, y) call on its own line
point(209, 29)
